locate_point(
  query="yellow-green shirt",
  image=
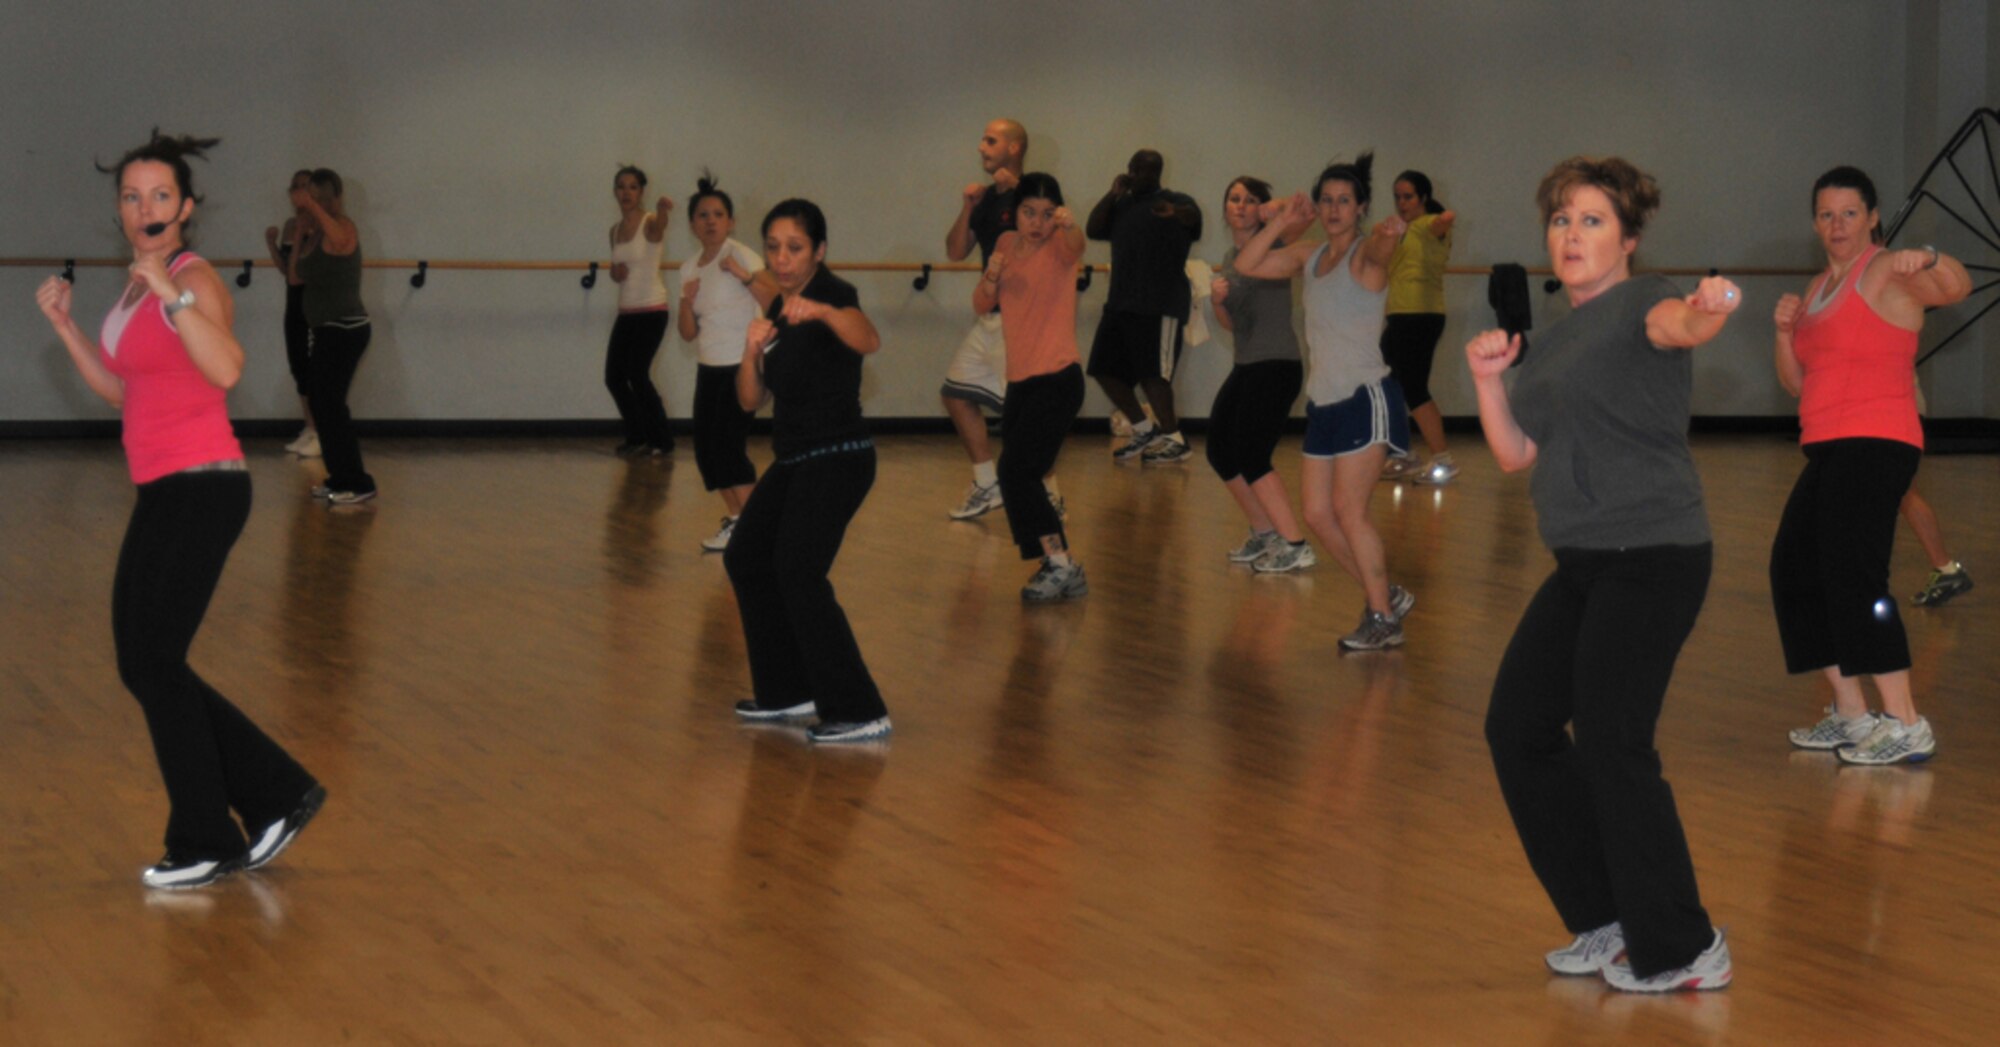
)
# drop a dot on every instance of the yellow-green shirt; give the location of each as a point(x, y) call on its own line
point(1416, 270)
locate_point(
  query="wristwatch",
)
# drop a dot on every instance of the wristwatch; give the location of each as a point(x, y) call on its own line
point(186, 299)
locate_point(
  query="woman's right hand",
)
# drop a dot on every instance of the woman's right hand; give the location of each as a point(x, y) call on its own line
point(1492, 352)
point(690, 288)
point(54, 298)
point(1787, 314)
point(760, 334)
point(1218, 288)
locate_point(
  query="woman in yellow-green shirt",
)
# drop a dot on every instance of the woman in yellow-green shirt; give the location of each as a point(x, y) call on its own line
point(1416, 322)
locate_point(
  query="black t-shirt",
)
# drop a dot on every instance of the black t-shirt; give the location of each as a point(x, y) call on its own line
point(1149, 254)
point(814, 378)
point(991, 216)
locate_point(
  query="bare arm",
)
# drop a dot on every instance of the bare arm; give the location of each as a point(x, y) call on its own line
point(656, 230)
point(337, 235)
point(1489, 354)
point(274, 237)
point(1683, 323)
point(986, 293)
point(1926, 278)
point(205, 327)
point(1441, 224)
point(750, 390)
point(959, 242)
point(1263, 259)
point(1218, 290)
point(53, 296)
point(690, 329)
point(1098, 225)
point(1371, 263)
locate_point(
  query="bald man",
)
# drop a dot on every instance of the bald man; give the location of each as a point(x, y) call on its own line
point(977, 377)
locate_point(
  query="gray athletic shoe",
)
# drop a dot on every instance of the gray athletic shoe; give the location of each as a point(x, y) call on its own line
point(1400, 602)
point(1138, 445)
point(1284, 558)
point(1834, 732)
point(719, 541)
point(1378, 632)
point(1438, 473)
point(979, 500)
point(1590, 953)
point(1167, 450)
point(1254, 547)
point(1944, 584)
point(1893, 742)
point(1052, 584)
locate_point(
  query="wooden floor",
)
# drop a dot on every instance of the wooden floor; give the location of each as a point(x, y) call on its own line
point(1168, 813)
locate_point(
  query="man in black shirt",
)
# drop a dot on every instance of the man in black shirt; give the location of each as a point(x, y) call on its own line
point(1138, 339)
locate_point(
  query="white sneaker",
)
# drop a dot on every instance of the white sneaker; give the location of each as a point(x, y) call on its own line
point(306, 435)
point(1283, 558)
point(1590, 953)
point(1255, 546)
point(719, 541)
point(1438, 473)
point(980, 499)
point(1834, 732)
point(1893, 742)
point(1710, 970)
point(306, 446)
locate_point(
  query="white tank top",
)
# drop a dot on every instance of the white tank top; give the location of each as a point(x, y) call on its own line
point(1343, 330)
point(643, 288)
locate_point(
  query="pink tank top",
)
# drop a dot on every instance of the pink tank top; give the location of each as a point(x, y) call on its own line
point(1860, 376)
point(174, 418)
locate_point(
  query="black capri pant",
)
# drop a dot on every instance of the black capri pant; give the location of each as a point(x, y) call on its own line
point(1033, 425)
point(1830, 560)
point(721, 430)
point(1249, 416)
point(1594, 652)
point(1409, 342)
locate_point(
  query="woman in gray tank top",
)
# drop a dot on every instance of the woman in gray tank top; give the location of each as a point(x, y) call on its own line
point(1354, 410)
point(329, 263)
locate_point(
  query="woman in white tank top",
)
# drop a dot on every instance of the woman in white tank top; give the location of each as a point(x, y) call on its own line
point(1354, 410)
point(642, 316)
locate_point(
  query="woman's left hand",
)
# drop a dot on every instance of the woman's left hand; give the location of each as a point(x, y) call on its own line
point(1064, 219)
point(1716, 295)
point(804, 311)
point(153, 273)
point(1392, 227)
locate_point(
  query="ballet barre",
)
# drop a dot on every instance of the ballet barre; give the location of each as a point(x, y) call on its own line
point(924, 270)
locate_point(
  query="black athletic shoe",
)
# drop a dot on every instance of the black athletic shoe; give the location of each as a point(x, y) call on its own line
point(174, 873)
point(849, 733)
point(279, 835)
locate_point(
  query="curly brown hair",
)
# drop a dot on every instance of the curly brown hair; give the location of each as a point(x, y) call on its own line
point(1634, 194)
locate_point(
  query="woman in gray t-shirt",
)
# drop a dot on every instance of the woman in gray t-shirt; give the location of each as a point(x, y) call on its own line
point(1250, 409)
point(1601, 411)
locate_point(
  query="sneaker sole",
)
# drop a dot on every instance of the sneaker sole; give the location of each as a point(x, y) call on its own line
point(1905, 758)
point(226, 870)
point(804, 711)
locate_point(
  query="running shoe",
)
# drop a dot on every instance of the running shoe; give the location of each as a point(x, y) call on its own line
point(1590, 953)
point(1255, 546)
point(1167, 450)
point(1834, 732)
point(1052, 584)
point(1140, 441)
point(980, 499)
point(1710, 970)
point(1378, 632)
point(1400, 602)
point(349, 497)
point(174, 873)
point(849, 733)
point(1893, 742)
point(306, 446)
point(719, 541)
point(1284, 558)
point(1400, 467)
point(749, 711)
point(279, 835)
point(1438, 473)
point(1945, 583)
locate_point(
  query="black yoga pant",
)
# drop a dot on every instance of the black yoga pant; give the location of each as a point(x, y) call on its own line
point(336, 353)
point(721, 430)
point(1033, 425)
point(628, 374)
point(1409, 342)
point(212, 758)
point(1830, 560)
point(800, 646)
point(298, 338)
point(1249, 416)
point(1595, 652)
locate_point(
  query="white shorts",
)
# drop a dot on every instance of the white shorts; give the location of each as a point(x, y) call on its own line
point(978, 370)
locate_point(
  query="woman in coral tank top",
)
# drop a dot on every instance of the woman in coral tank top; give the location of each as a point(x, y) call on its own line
point(166, 358)
point(1848, 350)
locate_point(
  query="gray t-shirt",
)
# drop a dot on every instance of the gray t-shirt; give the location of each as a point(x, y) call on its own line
point(1608, 412)
point(1261, 312)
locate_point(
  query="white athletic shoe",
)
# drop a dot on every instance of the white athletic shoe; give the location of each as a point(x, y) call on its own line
point(980, 499)
point(1710, 970)
point(1834, 732)
point(1590, 953)
point(306, 446)
point(719, 541)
